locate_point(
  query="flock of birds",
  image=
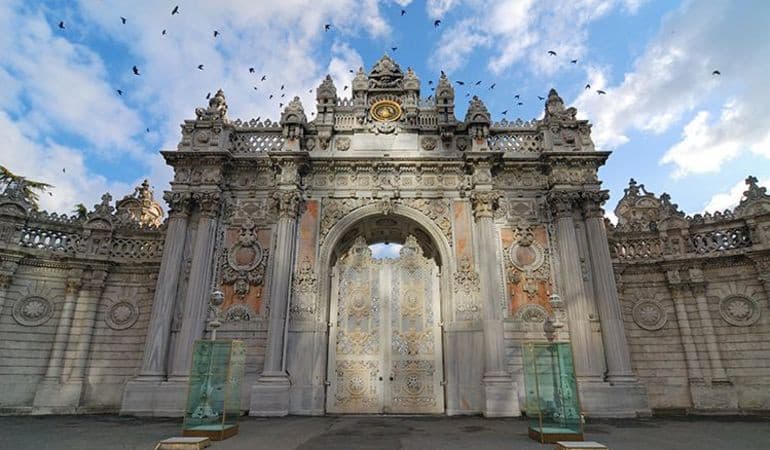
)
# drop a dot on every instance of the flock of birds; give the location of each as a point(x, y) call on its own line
point(328, 27)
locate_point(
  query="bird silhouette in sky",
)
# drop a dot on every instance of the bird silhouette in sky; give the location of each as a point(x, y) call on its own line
point(351, 71)
point(505, 112)
point(61, 24)
point(716, 72)
point(461, 83)
point(493, 86)
point(327, 27)
point(403, 12)
point(251, 70)
point(163, 33)
point(146, 130)
point(283, 95)
point(136, 70)
point(540, 98)
point(175, 10)
point(394, 48)
point(120, 92)
point(588, 86)
point(63, 170)
point(200, 66)
point(519, 103)
point(123, 19)
point(280, 105)
point(282, 86)
point(600, 92)
point(477, 83)
point(264, 77)
point(271, 96)
point(430, 81)
point(255, 88)
point(345, 88)
point(436, 23)
point(216, 33)
point(573, 61)
point(551, 52)
point(516, 96)
point(208, 96)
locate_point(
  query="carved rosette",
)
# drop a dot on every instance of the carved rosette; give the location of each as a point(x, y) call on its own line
point(243, 265)
point(649, 315)
point(121, 315)
point(485, 203)
point(287, 204)
point(466, 288)
point(32, 311)
point(739, 311)
point(304, 288)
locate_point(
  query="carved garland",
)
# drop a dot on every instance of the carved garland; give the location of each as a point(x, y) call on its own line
point(304, 289)
point(243, 265)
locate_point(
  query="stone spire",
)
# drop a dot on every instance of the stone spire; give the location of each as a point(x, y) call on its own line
point(360, 81)
point(294, 122)
point(411, 82)
point(477, 112)
point(386, 74)
point(326, 94)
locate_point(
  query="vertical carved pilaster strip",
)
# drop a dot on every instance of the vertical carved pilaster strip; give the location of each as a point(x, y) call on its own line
point(679, 293)
point(55, 361)
point(159, 330)
point(83, 323)
point(610, 315)
point(199, 286)
point(7, 269)
point(718, 374)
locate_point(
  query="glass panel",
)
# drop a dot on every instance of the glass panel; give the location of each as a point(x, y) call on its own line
point(552, 397)
point(213, 401)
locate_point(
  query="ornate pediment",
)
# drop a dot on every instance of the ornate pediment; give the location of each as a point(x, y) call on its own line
point(386, 74)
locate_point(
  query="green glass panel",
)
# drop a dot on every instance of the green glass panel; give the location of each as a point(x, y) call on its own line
point(549, 379)
point(213, 401)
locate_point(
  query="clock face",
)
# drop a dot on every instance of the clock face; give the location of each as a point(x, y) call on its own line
point(386, 111)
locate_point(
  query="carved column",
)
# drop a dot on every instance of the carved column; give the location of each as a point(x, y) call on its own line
point(588, 360)
point(83, 324)
point(613, 333)
point(718, 374)
point(199, 286)
point(270, 394)
point(499, 388)
point(7, 269)
point(55, 362)
point(679, 293)
point(159, 329)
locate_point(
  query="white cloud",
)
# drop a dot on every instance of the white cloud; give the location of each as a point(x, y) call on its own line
point(344, 59)
point(729, 199)
point(385, 251)
point(437, 8)
point(522, 31)
point(672, 81)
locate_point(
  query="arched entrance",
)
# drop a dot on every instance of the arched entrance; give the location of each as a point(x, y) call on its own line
point(385, 352)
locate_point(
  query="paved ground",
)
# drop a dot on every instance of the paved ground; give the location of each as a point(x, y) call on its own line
point(371, 432)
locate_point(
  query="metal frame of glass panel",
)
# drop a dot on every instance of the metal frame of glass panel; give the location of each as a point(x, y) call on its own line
point(214, 391)
point(552, 403)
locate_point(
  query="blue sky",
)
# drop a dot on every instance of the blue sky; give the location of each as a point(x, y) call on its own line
point(670, 123)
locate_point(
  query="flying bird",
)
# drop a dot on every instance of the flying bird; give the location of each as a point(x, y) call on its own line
point(716, 72)
point(255, 88)
point(493, 86)
point(573, 61)
point(163, 32)
point(403, 12)
point(257, 120)
point(271, 96)
point(505, 112)
point(478, 83)
point(119, 91)
point(208, 96)
point(461, 83)
point(516, 96)
point(519, 103)
point(283, 95)
point(175, 10)
point(436, 23)
point(280, 105)
point(147, 130)
point(394, 48)
point(551, 52)
point(216, 33)
point(282, 87)
point(200, 66)
point(63, 170)
point(588, 86)
point(136, 70)
point(467, 94)
point(61, 24)
point(327, 27)
point(600, 92)
point(351, 71)
point(251, 70)
point(540, 98)
point(123, 19)
point(264, 77)
point(345, 88)
point(430, 81)
point(310, 91)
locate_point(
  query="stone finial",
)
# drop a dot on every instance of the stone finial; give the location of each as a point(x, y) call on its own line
point(444, 90)
point(104, 208)
point(477, 112)
point(327, 91)
point(360, 81)
point(386, 74)
point(554, 108)
point(140, 207)
point(293, 120)
point(217, 109)
point(411, 82)
point(755, 199)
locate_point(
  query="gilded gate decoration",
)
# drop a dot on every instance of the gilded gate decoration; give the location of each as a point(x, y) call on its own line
point(385, 353)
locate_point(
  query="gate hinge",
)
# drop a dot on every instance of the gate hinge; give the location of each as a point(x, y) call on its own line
point(443, 382)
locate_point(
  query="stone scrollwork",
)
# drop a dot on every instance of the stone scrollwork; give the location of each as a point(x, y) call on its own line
point(304, 289)
point(244, 262)
point(466, 288)
point(32, 311)
point(217, 109)
point(485, 203)
point(562, 203)
point(239, 312)
point(649, 315)
point(287, 203)
point(531, 313)
point(739, 311)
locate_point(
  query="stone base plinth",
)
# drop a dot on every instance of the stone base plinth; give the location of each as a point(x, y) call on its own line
point(601, 399)
point(53, 397)
point(567, 445)
point(714, 397)
point(501, 398)
point(270, 396)
point(154, 398)
point(183, 443)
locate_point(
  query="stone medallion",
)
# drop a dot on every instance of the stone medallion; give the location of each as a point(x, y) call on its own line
point(649, 315)
point(386, 111)
point(739, 311)
point(32, 311)
point(527, 257)
point(121, 315)
point(245, 257)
